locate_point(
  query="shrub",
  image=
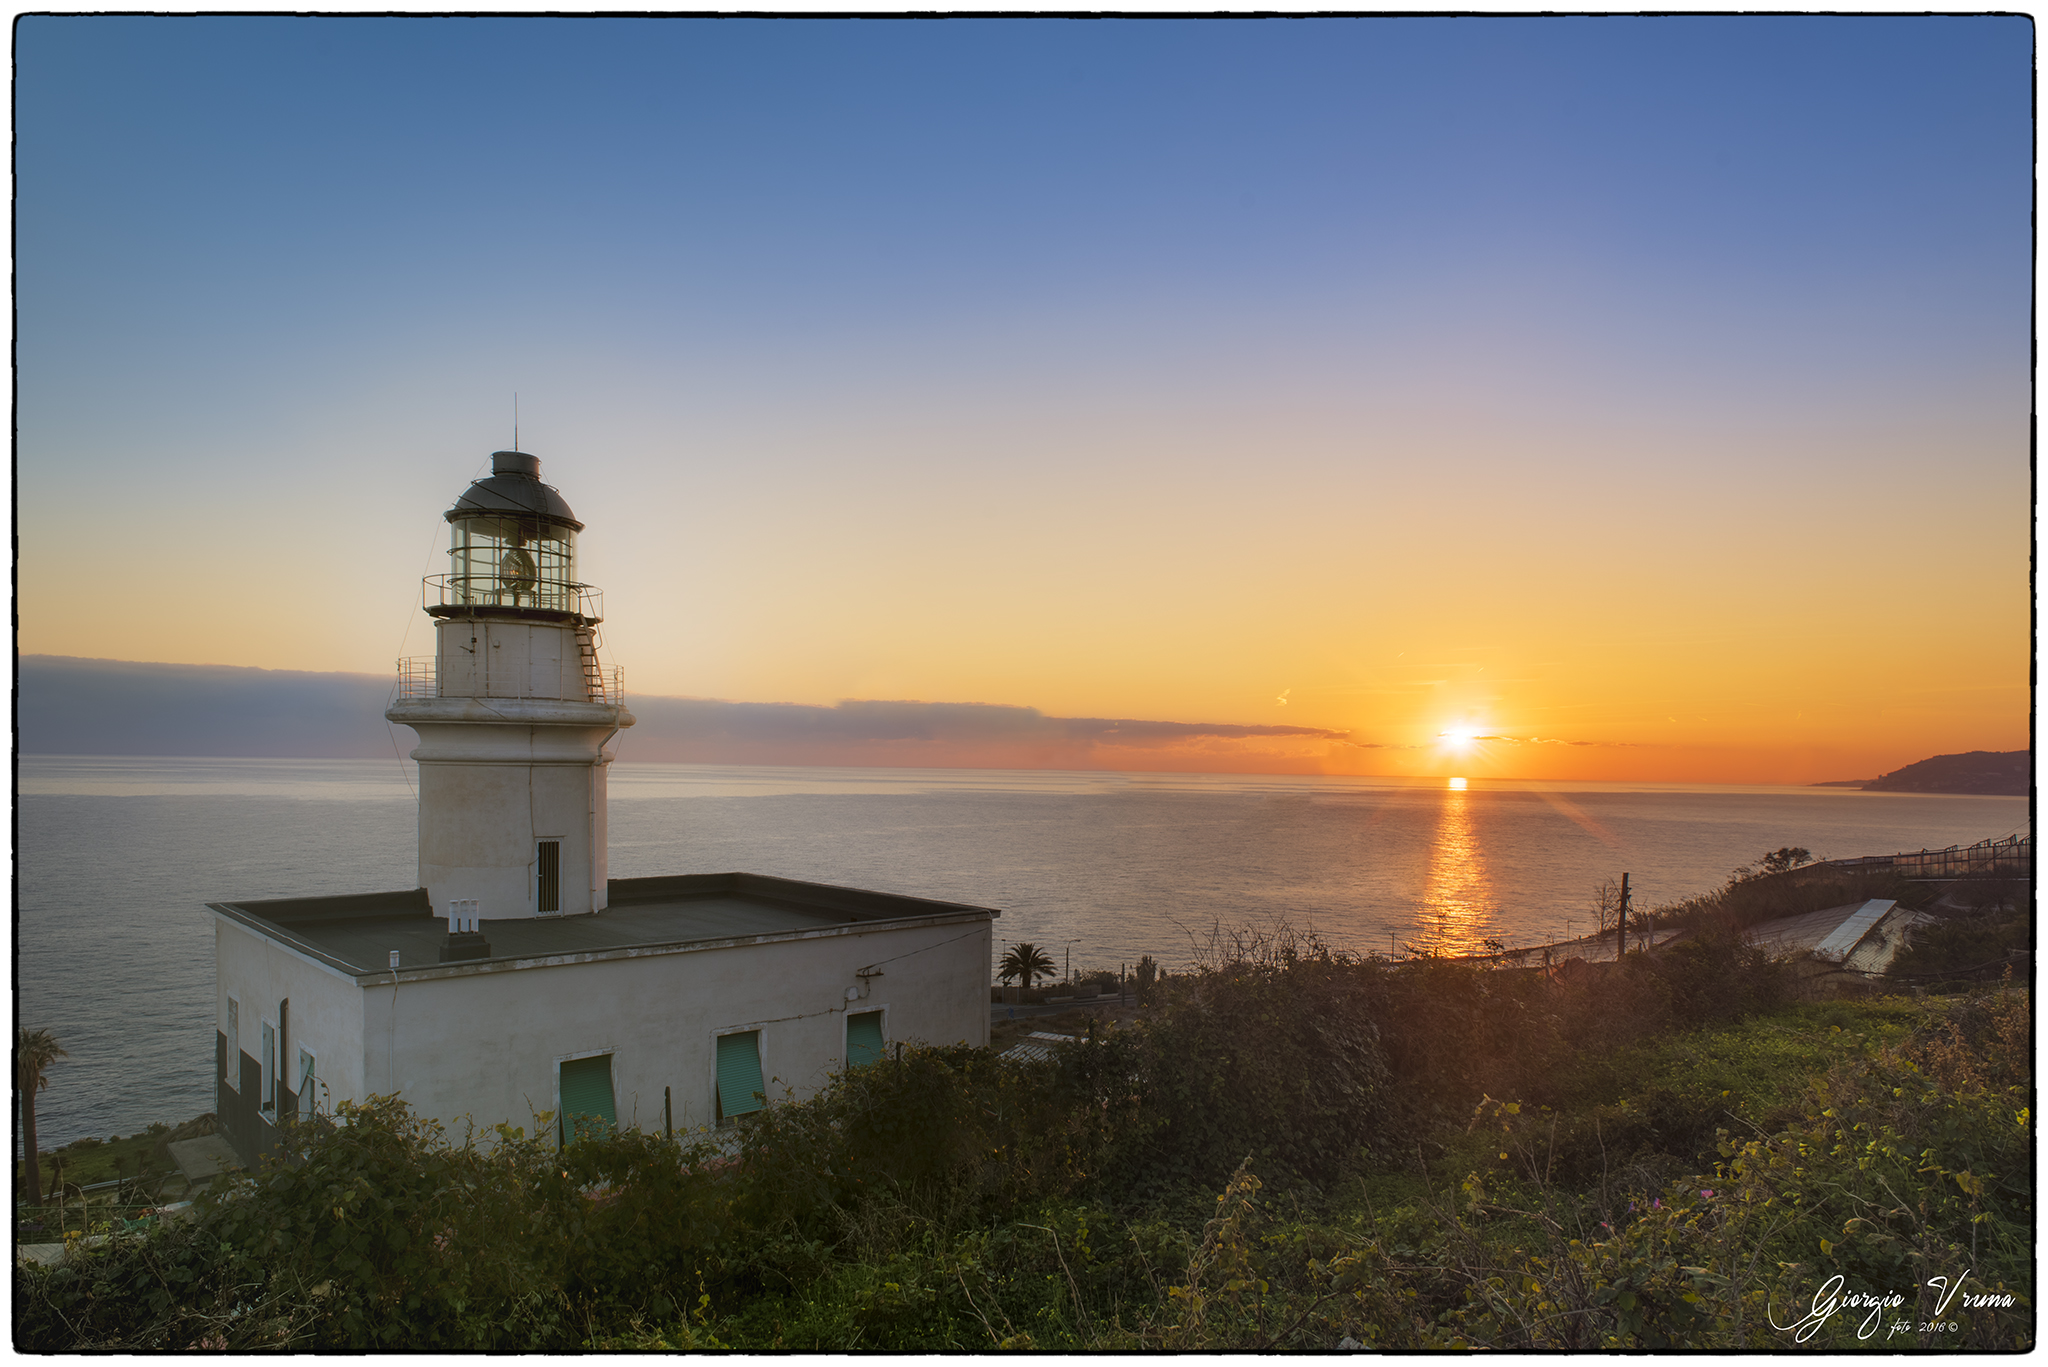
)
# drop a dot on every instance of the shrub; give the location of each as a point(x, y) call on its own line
point(1272, 1049)
point(1145, 977)
point(1964, 948)
point(1912, 1163)
point(381, 1235)
point(925, 1141)
point(401, 1240)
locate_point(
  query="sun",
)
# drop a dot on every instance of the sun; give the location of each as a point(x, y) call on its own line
point(1459, 738)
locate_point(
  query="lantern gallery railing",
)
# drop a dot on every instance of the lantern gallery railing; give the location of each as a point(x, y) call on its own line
point(419, 678)
point(514, 591)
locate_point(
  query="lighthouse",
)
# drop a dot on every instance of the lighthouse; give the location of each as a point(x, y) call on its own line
point(518, 981)
point(513, 711)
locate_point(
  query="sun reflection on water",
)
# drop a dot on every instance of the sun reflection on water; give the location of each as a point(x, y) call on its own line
point(1458, 904)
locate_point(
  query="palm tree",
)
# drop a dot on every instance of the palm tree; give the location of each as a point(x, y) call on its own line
point(1026, 961)
point(35, 1051)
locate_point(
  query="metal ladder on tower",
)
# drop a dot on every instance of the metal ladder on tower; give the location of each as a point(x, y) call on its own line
point(593, 674)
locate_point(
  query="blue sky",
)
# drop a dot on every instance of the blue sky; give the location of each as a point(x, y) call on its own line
point(1001, 336)
point(719, 187)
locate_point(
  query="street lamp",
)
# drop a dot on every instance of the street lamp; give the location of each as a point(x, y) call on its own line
point(1070, 960)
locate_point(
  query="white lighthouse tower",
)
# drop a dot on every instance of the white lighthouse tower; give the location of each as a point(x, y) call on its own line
point(513, 712)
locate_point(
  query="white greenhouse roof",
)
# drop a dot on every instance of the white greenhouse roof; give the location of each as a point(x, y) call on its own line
point(1836, 946)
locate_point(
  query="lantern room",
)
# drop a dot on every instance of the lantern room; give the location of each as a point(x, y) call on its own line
point(512, 549)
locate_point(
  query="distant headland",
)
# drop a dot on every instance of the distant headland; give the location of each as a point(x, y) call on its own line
point(1984, 773)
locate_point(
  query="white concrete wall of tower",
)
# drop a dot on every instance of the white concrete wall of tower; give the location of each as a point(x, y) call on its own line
point(483, 1043)
point(491, 657)
point(497, 778)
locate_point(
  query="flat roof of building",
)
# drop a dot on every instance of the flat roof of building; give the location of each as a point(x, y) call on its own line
point(356, 934)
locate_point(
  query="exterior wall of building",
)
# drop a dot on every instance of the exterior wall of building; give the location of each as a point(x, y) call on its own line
point(487, 1045)
point(311, 1006)
point(488, 657)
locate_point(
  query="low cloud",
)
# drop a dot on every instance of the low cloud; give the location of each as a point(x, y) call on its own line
point(1545, 740)
point(992, 735)
point(71, 706)
point(1595, 744)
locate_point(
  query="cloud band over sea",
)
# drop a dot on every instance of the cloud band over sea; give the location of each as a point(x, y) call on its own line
point(73, 706)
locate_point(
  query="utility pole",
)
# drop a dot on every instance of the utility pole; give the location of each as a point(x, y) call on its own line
point(1621, 925)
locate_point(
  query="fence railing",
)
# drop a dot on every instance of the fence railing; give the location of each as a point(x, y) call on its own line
point(416, 678)
point(611, 685)
point(2009, 857)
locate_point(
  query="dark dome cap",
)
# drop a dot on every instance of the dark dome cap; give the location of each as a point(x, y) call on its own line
point(513, 487)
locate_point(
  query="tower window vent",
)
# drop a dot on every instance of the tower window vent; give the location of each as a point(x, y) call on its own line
point(548, 876)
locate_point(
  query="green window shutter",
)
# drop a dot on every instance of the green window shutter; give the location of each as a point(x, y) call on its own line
point(587, 1095)
point(863, 1038)
point(739, 1074)
point(268, 1094)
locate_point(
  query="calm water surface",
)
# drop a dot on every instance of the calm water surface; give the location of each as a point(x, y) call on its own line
point(116, 858)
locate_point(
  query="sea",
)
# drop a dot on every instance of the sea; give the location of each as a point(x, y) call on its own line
point(116, 858)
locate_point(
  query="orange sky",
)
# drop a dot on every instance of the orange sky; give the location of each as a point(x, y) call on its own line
point(1665, 630)
point(1669, 629)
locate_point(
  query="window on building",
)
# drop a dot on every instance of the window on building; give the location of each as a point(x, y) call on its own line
point(587, 1105)
point(548, 876)
point(307, 1082)
point(740, 1088)
point(863, 1038)
point(268, 1090)
point(231, 1064)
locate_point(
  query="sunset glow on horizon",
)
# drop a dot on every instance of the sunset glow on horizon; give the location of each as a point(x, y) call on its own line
point(1641, 399)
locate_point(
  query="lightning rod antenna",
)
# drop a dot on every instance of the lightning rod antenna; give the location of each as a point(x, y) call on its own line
point(515, 420)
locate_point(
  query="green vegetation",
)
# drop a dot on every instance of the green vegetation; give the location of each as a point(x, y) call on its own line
point(90, 1161)
point(1978, 945)
point(1293, 1148)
